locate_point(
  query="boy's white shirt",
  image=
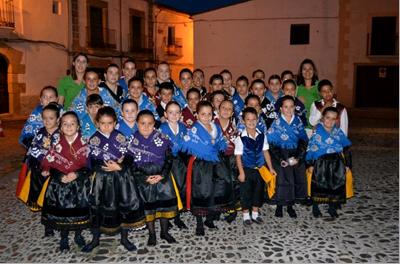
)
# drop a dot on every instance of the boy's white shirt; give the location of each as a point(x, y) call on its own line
point(316, 115)
point(239, 143)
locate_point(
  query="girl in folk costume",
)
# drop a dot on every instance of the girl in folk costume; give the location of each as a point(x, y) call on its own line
point(189, 115)
point(114, 200)
point(329, 158)
point(127, 125)
point(288, 142)
point(209, 184)
point(175, 131)
point(46, 137)
point(66, 205)
point(32, 125)
point(151, 151)
point(228, 128)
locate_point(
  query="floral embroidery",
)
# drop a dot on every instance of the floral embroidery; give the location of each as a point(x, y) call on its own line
point(95, 141)
point(158, 142)
point(120, 138)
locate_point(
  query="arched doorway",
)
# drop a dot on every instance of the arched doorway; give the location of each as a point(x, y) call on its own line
point(4, 105)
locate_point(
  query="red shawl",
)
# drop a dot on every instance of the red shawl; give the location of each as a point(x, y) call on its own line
point(66, 157)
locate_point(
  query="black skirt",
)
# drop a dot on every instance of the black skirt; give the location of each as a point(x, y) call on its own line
point(212, 188)
point(328, 184)
point(159, 199)
point(179, 170)
point(66, 205)
point(114, 201)
point(230, 162)
point(35, 185)
point(291, 184)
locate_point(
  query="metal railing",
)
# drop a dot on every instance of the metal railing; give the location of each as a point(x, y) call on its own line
point(7, 14)
point(139, 45)
point(104, 38)
point(176, 49)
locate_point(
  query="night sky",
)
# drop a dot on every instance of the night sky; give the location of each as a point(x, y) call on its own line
point(192, 7)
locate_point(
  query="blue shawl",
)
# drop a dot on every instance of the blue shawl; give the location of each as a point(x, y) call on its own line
point(286, 135)
point(177, 140)
point(32, 125)
point(198, 142)
point(322, 142)
point(271, 98)
point(238, 104)
point(88, 128)
point(78, 105)
point(123, 127)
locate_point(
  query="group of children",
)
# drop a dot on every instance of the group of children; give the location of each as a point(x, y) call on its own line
point(127, 152)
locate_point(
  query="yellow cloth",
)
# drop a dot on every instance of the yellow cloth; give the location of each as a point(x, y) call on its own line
point(43, 192)
point(24, 194)
point(178, 197)
point(269, 179)
point(309, 177)
point(349, 184)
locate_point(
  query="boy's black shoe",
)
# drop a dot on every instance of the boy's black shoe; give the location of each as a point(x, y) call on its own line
point(210, 224)
point(247, 222)
point(279, 211)
point(291, 212)
point(258, 220)
point(152, 241)
point(166, 236)
point(200, 231)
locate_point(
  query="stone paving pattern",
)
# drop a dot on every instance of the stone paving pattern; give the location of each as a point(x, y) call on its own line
point(366, 231)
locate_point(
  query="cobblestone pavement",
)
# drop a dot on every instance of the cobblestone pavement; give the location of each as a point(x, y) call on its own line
point(366, 231)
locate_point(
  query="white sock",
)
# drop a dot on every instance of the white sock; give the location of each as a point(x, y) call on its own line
point(246, 216)
point(254, 215)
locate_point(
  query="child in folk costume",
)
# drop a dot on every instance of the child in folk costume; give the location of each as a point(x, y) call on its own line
point(114, 200)
point(151, 151)
point(127, 125)
point(253, 101)
point(288, 142)
point(251, 151)
point(289, 88)
point(325, 89)
point(189, 115)
point(45, 138)
point(209, 184)
point(329, 158)
point(93, 103)
point(242, 91)
point(66, 205)
point(47, 95)
point(176, 130)
point(257, 87)
point(227, 124)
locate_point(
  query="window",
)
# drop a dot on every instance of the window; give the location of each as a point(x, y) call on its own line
point(299, 34)
point(137, 36)
point(57, 7)
point(171, 36)
point(383, 36)
point(97, 33)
